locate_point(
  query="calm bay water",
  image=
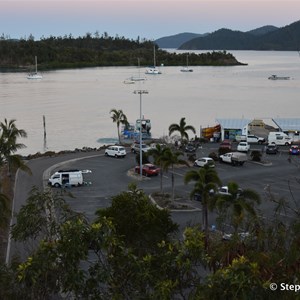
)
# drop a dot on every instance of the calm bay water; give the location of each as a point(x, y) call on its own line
point(76, 103)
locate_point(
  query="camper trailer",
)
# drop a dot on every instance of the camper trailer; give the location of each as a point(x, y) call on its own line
point(279, 138)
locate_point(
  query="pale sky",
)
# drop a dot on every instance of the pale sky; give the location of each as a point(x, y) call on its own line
point(150, 19)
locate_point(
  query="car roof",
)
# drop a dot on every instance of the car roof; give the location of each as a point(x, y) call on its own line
point(208, 158)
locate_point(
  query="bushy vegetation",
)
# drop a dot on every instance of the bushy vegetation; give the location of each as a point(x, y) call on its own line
point(94, 50)
point(130, 251)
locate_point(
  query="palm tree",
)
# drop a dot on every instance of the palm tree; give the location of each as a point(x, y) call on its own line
point(206, 181)
point(169, 159)
point(158, 155)
point(182, 128)
point(9, 133)
point(118, 117)
point(238, 204)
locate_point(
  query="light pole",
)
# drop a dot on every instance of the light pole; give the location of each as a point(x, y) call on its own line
point(140, 92)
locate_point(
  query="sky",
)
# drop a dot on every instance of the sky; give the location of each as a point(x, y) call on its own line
point(150, 19)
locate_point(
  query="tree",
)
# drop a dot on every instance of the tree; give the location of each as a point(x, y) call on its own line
point(182, 128)
point(206, 182)
point(118, 117)
point(158, 155)
point(9, 133)
point(240, 280)
point(238, 204)
point(4, 210)
point(170, 159)
point(141, 224)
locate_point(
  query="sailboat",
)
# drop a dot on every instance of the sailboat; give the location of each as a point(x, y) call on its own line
point(35, 75)
point(153, 70)
point(133, 79)
point(186, 69)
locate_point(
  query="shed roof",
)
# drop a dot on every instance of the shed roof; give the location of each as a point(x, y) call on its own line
point(286, 124)
point(233, 123)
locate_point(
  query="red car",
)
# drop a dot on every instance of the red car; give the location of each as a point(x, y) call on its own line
point(226, 144)
point(148, 170)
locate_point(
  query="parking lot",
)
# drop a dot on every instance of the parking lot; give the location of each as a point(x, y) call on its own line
point(279, 175)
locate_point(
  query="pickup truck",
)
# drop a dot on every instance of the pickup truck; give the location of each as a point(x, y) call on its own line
point(250, 139)
point(234, 158)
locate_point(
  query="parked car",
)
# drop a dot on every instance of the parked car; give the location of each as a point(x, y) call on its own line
point(255, 139)
point(224, 190)
point(203, 161)
point(115, 151)
point(294, 150)
point(148, 170)
point(243, 147)
point(190, 148)
point(135, 148)
point(226, 144)
point(271, 149)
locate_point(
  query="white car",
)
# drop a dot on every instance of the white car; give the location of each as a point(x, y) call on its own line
point(135, 148)
point(255, 139)
point(203, 161)
point(243, 147)
point(115, 151)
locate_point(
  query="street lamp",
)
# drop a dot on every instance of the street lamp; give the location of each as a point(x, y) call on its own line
point(140, 92)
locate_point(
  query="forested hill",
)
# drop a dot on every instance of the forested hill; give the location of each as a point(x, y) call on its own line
point(89, 51)
point(268, 38)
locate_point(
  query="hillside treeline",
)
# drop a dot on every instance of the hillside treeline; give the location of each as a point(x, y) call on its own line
point(276, 39)
point(92, 51)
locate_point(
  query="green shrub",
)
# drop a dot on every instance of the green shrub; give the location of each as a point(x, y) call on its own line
point(256, 155)
point(214, 156)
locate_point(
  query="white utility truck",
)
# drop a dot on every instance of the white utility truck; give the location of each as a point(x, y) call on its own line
point(234, 158)
point(67, 178)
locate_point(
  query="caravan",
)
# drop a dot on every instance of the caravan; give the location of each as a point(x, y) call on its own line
point(67, 178)
point(279, 138)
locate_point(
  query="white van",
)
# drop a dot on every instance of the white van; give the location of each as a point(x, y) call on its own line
point(115, 151)
point(279, 138)
point(67, 177)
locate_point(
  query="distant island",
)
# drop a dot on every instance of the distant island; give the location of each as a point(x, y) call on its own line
point(94, 51)
point(267, 37)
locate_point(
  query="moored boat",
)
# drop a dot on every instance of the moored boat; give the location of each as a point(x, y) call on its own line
point(275, 77)
point(35, 75)
point(153, 70)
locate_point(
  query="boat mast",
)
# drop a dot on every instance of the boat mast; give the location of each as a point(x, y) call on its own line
point(35, 64)
point(154, 61)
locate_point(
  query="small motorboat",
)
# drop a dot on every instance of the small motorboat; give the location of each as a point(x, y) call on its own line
point(275, 77)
